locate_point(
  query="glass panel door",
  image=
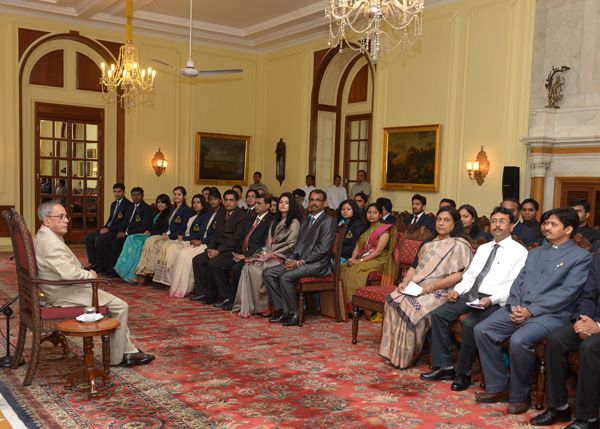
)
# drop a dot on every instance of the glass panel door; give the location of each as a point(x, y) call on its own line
point(357, 148)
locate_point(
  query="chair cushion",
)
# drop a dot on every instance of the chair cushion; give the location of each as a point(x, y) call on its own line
point(375, 275)
point(21, 249)
point(65, 312)
point(329, 278)
point(409, 251)
point(375, 293)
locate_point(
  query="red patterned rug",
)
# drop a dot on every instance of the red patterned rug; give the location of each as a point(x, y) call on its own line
point(214, 370)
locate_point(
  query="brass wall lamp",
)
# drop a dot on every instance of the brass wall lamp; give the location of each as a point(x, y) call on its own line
point(159, 163)
point(479, 168)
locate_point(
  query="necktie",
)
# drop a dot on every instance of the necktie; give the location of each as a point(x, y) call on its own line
point(473, 293)
point(227, 216)
point(312, 221)
point(114, 214)
point(247, 239)
point(131, 218)
point(414, 222)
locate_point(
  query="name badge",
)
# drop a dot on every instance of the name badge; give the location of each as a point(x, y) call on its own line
point(349, 235)
point(196, 227)
point(120, 215)
point(214, 225)
point(138, 219)
point(177, 219)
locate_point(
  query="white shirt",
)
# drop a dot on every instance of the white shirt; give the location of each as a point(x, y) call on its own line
point(412, 219)
point(242, 204)
point(510, 258)
point(335, 196)
point(307, 190)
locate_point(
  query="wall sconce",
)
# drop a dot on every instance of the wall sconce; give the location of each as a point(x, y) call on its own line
point(159, 163)
point(479, 168)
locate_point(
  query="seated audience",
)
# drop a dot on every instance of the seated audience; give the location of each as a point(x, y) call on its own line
point(308, 188)
point(582, 207)
point(228, 233)
point(274, 206)
point(252, 296)
point(55, 261)
point(529, 210)
point(386, 206)
point(349, 213)
point(487, 281)
point(419, 218)
point(523, 233)
point(336, 193)
point(361, 185)
point(169, 253)
point(251, 195)
point(257, 185)
point(375, 250)
point(178, 217)
point(447, 202)
point(579, 335)
point(253, 239)
point(542, 299)
point(201, 230)
point(469, 219)
point(361, 201)
point(117, 215)
point(132, 248)
point(310, 258)
point(439, 266)
point(240, 191)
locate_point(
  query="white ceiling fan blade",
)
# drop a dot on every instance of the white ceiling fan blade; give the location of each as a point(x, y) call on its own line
point(213, 72)
point(166, 64)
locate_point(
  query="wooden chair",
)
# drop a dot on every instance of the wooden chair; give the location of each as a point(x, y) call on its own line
point(322, 284)
point(33, 316)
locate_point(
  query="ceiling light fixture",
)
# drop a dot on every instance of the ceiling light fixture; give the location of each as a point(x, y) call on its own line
point(126, 83)
point(404, 15)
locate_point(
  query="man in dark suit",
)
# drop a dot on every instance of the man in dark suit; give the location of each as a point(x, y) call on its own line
point(582, 207)
point(386, 206)
point(527, 235)
point(117, 216)
point(251, 195)
point(542, 298)
point(138, 219)
point(529, 210)
point(311, 257)
point(255, 236)
point(228, 233)
point(419, 218)
point(580, 335)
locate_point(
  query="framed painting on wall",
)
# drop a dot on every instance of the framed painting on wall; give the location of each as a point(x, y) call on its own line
point(411, 158)
point(222, 159)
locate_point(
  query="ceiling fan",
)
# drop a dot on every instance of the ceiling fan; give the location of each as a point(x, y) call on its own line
point(190, 70)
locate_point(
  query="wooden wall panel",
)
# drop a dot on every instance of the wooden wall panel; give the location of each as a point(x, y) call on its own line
point(48, 70)
point(360, 86)
point(27, 37)
point(88, 74)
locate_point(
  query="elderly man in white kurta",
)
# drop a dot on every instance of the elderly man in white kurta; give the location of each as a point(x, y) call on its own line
point(57, 262)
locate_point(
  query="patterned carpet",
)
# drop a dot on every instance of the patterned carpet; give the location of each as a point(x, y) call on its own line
point(214, 370)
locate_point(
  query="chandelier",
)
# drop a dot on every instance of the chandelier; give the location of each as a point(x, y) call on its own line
point(126, 83)
point(366, 17)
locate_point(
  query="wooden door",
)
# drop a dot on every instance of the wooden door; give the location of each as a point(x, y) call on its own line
point(69, 163)
point(357, 148)
point(588, 190)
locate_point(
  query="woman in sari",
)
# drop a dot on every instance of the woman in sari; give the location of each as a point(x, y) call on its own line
point(438, 266)
point(469, 219)
point(252, 296)
point(170, 252)
point(348, 212)
point(374, 250)
point(182, 281)
point(178, 217)
point(132, 249)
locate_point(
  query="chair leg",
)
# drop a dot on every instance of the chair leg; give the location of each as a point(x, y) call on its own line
point(355, 315)
point(540, 396)
point(301, 309)
point(33, 361)
point(20, 345)
point(57, 338)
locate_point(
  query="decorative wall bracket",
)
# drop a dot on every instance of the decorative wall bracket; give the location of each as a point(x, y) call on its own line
point(280, 161)
point(554, 86)
point(479, 168)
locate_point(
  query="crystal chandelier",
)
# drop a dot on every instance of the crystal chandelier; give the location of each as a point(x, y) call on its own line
point(366, 17)
point(125, 83)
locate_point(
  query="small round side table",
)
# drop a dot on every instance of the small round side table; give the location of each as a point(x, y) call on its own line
point(102, 328)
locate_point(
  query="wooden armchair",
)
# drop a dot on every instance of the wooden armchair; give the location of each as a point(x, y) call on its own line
point(33, 316)
point(322, 284)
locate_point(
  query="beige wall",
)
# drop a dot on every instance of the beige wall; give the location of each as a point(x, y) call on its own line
point(470, 73)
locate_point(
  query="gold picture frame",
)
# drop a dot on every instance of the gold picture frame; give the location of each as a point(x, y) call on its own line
point(222, 159)
point(411, 158)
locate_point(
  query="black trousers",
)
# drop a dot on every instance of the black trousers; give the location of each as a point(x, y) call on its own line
point(227, 289)
point(103, 249)
point(204, 268)
point(116, 249)
point(90, 245)
point(558, 345)
point(442, 317)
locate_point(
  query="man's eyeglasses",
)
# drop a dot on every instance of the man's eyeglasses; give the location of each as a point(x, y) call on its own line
point(501, 221)
point(61, 217)
point(315, 200)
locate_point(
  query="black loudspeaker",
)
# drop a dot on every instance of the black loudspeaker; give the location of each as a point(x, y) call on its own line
point(510, 183)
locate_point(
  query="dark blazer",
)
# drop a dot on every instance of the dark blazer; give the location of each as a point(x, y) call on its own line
point(424, 220)
point(525, 234)
point(200, 226)
point(179, 222)
point(227, 235)
point(140, 222)
point(391, 220)
point(314, 244)
point(258, 237)
point(352, 234)
point(159, 225)
point(535, 225)
point(120, 218)
point(550, 283)
point(589, 301)
point(590, 234)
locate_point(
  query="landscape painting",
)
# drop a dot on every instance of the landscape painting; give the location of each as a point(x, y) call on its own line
point(411, 158)
point(222, 159)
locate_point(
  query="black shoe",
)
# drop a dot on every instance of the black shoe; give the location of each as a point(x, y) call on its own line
point(551, 416)
point(461, 382)
point(208, 301)
point(198, 298)
point(91, 267)
point(139, 358)
point(280, 319)
point(584, 424)
point(439, 374)
point(292, 320)
point(228, 307)
point(223, 303)
point(111, 274)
